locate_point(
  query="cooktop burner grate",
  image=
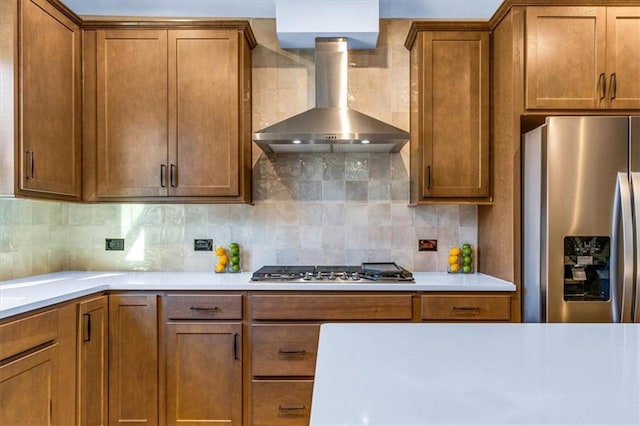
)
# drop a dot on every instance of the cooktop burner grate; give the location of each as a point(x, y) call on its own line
point(381, 272)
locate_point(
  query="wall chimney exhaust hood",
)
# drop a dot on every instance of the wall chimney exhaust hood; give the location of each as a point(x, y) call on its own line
point(331, 126)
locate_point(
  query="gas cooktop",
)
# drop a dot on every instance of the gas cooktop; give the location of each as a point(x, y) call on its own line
point(380, 272)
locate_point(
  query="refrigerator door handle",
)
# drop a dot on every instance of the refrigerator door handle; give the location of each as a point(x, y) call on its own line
point(632, 293)
point(622, 246)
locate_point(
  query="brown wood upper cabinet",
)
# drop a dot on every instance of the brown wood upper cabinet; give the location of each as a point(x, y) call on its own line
point(172, 115)
point(582, 57)
point(50, 103)
point(449, 113)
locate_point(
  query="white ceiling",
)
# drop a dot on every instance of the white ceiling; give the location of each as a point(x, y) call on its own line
point(448, 9)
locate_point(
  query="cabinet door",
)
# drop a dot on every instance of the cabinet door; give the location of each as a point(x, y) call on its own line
point(28, 389)
point(50, 102)
point(455, 134)
point(133, 359)
point(204, 373)
point(92, 370)
point(623, 57)
point(565, 63)
point(131, 113)
point(204, 137)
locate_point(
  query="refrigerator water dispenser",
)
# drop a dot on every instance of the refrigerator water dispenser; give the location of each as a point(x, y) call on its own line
point(586, 268)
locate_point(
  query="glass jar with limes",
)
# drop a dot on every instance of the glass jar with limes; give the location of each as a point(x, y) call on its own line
point(234, 257)
point(467, 259)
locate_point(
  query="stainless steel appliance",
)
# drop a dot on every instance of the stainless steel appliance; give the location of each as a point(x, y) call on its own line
point(331, 126)
point(385, 272)
point(581, 220)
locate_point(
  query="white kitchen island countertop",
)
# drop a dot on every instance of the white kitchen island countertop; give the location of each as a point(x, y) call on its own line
point(26, 294)
point(477, 374)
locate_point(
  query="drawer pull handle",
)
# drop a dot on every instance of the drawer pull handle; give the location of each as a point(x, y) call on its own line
point(466, 309)
point(292, 352)
point(205, 309)
point(291, 407)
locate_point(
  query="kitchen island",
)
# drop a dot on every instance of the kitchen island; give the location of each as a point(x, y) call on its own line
point(477, 374)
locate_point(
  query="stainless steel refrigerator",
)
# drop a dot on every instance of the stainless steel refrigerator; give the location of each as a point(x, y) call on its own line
point(581, 220)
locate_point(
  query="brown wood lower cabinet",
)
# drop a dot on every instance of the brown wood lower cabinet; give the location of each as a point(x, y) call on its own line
point(133, 359)
point(204, 373)
point(283, 355)
point(27, 389)
point(37, 368)
point(466, 308)
point(281, 402)
point(204, 358)
point(93, 321)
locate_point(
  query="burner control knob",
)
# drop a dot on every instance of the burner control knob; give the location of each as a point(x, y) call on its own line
point(308, 276)
point(318, 275)
point(332, 275)
point(355, 276)
point(344, 276)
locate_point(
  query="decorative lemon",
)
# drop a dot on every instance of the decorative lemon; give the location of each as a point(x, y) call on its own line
point(220, 267)
point(453, 260)
point(455, 251)
point(454, 267)
point(220, 251)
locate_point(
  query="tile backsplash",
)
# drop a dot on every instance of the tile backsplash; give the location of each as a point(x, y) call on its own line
point(308, 209)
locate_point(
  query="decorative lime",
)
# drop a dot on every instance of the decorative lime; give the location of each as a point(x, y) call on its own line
point(466, 251)
point(466, 269)
point(233, 245)
point(235, 260)
point(466, 245)
point(465, 260)
point(235, 268)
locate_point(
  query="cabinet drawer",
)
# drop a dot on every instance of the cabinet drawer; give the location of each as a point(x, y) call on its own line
point(284, 350)
point(203, 306)
point(465, 308)
point(26, 333)
point(282, 402)
point(331, 307)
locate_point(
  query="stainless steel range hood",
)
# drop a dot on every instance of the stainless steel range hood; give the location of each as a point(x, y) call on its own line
point(331, 126)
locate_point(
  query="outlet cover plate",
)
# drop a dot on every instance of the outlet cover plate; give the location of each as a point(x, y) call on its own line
point(202, 244)
point(114, 244)
point(427, 245)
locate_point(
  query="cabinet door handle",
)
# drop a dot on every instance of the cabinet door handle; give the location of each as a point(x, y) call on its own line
point(29, 165)
point(292, 351)
point(173, 175)
point(163, 171)
point(205, 308)
point(86, 328)
point(603, 86)
point(614, 85)
point(236, 345)
point(291, 407)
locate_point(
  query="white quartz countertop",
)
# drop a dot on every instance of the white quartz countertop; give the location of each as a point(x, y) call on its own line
point(477, 374)
point(25, 294)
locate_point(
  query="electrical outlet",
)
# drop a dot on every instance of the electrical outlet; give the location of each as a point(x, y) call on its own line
point(427, 245)
point(202, 244)
point(114, 244)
